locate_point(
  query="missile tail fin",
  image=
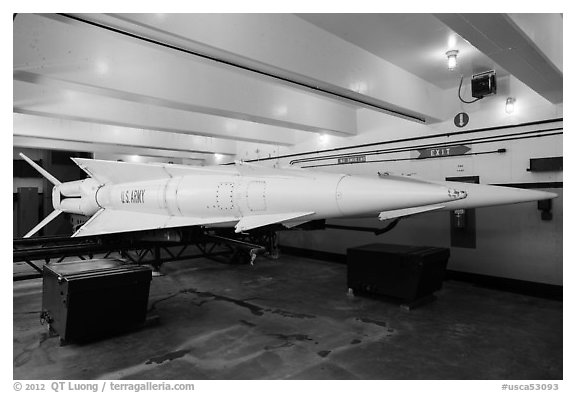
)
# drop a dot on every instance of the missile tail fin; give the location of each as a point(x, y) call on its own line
point(115, 221)
point(114, 172)
point(52, 180)
point(43, 223)
point(41, 170)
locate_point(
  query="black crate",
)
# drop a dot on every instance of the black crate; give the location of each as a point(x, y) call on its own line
point(86, 300)
point(406, 273)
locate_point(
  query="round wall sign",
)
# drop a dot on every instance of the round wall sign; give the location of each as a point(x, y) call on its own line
point(461, 119)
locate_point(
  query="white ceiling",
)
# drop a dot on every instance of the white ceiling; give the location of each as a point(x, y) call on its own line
point(415, 42)
point(81, 82)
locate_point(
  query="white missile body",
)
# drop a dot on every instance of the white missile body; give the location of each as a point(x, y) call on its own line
point(125, 197)
point(243, 196)
point(478, 195)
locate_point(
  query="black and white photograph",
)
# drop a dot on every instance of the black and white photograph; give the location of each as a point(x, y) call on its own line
point(259, 195)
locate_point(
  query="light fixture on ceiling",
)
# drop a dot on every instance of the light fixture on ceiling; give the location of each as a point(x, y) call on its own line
point(452, 54)
point(510, 105)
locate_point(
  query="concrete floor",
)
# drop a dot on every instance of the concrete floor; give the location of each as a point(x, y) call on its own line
point(292, 318)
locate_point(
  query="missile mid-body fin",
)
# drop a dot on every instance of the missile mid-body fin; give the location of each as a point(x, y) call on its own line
point(390, 214)
point(250, 222)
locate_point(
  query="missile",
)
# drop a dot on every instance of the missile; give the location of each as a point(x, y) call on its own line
point(126, 197)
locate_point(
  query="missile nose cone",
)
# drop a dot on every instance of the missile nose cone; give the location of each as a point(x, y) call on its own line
point(540, 195)
point(480, 195)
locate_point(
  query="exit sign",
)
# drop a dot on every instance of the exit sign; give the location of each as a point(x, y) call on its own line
point(435, 152)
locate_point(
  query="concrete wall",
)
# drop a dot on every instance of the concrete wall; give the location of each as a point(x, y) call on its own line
point(38, 182)
point(511, 241)
point(145, 159)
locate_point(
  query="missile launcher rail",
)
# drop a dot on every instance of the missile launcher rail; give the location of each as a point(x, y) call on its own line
point(155, 252)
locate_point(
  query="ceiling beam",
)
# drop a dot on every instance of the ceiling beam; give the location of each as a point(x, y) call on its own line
point(294, 50)
point(57, 102)
point(60, 130)
point(98, 148)
point(76, 56)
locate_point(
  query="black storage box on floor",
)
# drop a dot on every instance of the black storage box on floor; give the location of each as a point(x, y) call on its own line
point(86, 300)
point(406, 273)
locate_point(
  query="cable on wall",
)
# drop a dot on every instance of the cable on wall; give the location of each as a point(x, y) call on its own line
point(471, 141)
point(411, 139)
point(460, 95)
